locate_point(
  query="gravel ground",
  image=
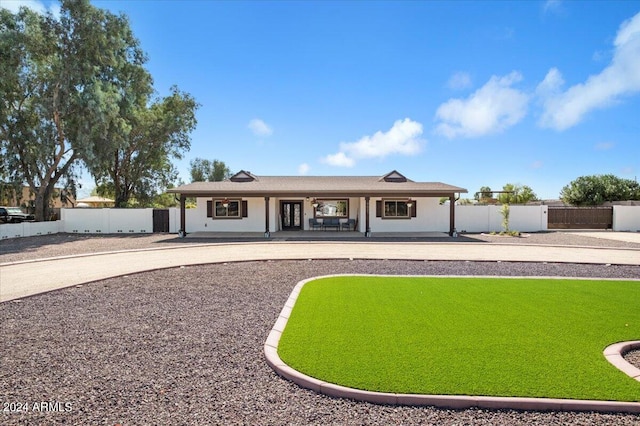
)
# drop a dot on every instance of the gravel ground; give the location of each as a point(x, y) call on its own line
point(28, 248)
point(184, 346)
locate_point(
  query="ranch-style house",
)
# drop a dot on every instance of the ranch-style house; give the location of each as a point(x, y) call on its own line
point(249, 203)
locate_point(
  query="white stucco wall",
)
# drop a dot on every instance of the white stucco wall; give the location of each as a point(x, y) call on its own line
point(130, 220)
point(174, 220)
point(197, 220)
point(107, 221)
point(29, 229)
point(82, 221)
point(489, 218)
point(626, 218)
point(431, 217)
point(527, 218)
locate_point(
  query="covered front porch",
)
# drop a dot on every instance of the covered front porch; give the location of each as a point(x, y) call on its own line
point(354, 215)
point(350, 206)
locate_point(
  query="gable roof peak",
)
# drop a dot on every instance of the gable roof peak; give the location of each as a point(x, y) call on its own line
point(243, 176)
point(394, 176)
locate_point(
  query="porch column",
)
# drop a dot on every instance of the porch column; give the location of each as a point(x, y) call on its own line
point(366, 218)
point(452, 214)
point(182, 232)
point(267, 234)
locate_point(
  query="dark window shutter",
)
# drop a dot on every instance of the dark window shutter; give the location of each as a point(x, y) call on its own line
point(245, 210)
point(209, 208)
point(378, 208)
point(414, 209)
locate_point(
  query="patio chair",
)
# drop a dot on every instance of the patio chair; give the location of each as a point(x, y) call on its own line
point(348, 224)
point(332, 222)
point(314, 224)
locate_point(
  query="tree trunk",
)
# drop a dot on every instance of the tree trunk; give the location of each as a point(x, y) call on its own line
point(121, 200)
point(41, 204)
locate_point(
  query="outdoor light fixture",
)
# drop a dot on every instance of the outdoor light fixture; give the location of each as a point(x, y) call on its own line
point(314, 203)
point(225, 203)
point(409, 202)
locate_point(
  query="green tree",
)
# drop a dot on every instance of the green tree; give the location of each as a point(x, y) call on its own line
point(484, 194)
point(140, 167)
point(595, 190)
point(516, 194)
point(505, 212)
point(208, 171)
point(66, 85)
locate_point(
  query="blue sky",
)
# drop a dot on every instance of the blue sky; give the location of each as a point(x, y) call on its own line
point(472, 94)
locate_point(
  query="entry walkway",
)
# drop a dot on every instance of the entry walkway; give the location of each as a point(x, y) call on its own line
point(21, 279)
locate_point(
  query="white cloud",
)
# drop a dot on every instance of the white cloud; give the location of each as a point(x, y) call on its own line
point(340, 159)
point(628, 171)
point(551, 85)
point(551, 6)
point(537, 165)
point(599, 56)
point(403, 138)
point(621, 77)
point(259, 127)
point(14, 6)
point(492, 108)
point(507, 33)
point(459, 81)
point(303, 169)
point(604, 146)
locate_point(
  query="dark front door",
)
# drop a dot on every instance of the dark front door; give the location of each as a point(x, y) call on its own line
point(291, 215)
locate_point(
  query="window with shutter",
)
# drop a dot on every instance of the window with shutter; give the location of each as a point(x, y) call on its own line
point(396, 209)
point(226, 209)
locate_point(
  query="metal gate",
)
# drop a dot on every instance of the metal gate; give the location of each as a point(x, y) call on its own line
point(160, 220)
point(580, 217)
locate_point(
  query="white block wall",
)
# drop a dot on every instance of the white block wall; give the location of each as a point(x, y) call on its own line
point(130, 221)
point(29, 229)
point(626, 218)
point(489, 218)
point(107, 221)
point(432, 217)
point(174, 220)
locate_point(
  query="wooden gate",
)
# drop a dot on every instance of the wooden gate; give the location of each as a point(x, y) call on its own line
point(160, 220)
point(580, 217)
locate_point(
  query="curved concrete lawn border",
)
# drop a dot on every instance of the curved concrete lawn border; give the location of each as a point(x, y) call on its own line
point(612, 352)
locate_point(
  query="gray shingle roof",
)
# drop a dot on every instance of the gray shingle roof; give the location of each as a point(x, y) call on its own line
point(317, 186)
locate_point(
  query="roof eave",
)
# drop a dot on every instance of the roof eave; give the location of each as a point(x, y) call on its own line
point(319, 193)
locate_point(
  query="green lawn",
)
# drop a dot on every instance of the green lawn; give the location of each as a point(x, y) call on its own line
point(465, 336)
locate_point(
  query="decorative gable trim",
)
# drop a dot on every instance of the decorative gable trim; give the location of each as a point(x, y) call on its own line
point(394, 176)
point(243, 176)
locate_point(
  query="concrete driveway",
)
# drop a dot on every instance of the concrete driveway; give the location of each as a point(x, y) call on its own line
point(21, 279)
